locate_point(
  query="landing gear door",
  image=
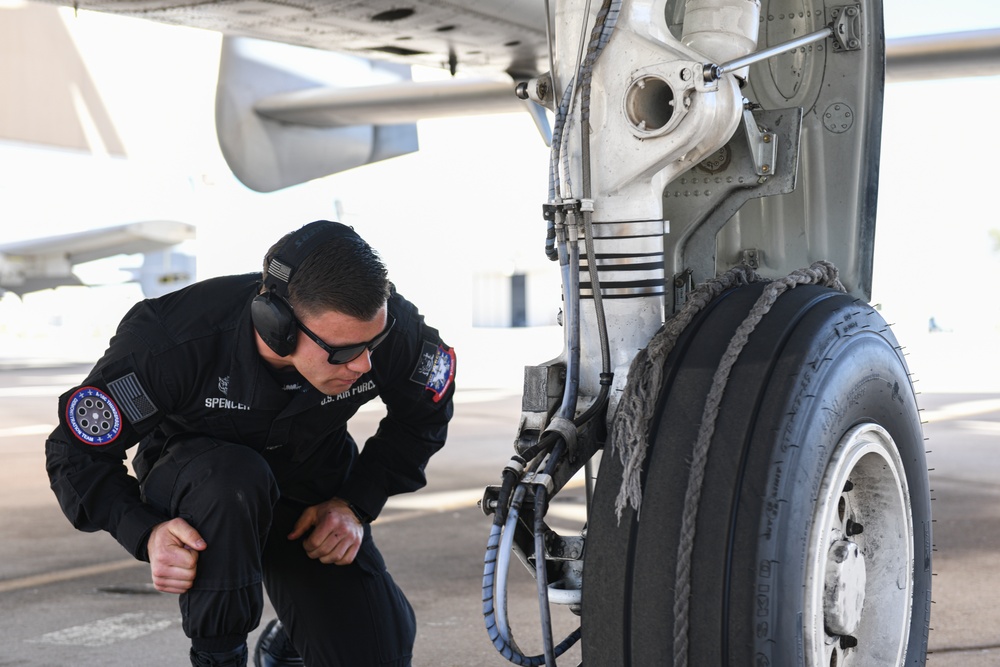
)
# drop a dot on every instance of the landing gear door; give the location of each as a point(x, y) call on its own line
point(838, 85)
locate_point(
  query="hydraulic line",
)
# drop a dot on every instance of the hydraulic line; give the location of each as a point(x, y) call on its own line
point(604, 23)
point(554, 181)
point(541, 575)
point(569, 265)
point(550, 39)
point(567, 251)
point(496, 568)
point(541, 572)
point(567, 237)
point(606, 19)
point(503, 567)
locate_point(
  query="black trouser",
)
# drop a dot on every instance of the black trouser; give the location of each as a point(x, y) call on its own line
point(336, 615)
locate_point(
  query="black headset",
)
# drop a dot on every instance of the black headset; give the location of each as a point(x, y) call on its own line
point(270, 311)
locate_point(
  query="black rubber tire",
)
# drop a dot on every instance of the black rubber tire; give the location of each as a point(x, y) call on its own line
point(817, 365)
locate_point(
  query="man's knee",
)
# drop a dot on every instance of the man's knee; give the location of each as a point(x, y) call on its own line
point(228, 478)
point(199, 474)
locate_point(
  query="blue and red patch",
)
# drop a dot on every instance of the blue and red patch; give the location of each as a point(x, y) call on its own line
point(93, 416)
point(435, 369)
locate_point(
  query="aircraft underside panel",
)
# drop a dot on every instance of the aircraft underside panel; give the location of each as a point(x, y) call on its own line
point(508, 35)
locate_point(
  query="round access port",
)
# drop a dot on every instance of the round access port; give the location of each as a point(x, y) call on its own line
point(649, 103)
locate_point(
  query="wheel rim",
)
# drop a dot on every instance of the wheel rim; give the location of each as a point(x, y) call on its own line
point(859, 583)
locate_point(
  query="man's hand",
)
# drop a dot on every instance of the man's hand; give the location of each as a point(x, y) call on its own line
point(173, 548)
point(336, 532)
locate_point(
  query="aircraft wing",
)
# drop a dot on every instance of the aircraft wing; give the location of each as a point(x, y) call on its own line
point(35, 264)
point(280, 124)
point(495, 35)
point(944, 56)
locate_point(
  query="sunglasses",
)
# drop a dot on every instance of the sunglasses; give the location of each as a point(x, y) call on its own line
point(348, 353)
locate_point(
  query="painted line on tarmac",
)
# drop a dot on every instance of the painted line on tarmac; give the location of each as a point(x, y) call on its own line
point(66, 575)
point(960, 410)
point(416, 505)
point(31, 429)
point(33, 391)
point(980, 427)
point(111, 630)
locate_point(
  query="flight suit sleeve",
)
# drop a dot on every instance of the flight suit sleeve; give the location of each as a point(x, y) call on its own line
point(417, 390)
point(118, 403)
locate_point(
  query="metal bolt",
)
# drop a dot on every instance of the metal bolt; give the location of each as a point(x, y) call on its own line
point(847, 641)
point(542, 89)
point(854, 528)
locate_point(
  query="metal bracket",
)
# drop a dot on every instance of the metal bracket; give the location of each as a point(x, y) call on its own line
point(763, 145)
point(562, 547)
point(539, 479)
point(564, 427)
point(491, 498)
point(751, 257)
point(683, 285)
point(847, 28)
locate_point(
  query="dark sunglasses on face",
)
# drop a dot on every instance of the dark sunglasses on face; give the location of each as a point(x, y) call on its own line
point(348, 353)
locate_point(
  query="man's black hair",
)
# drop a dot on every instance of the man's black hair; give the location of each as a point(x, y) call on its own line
point(345, 275)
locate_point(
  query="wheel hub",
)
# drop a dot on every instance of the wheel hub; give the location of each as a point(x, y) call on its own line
point(860, 581)
point(844, 593)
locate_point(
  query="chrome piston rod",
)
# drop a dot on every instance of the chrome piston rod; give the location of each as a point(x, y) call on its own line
point(714, 72)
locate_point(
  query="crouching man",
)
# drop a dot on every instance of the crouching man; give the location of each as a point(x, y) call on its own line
point(238, 391)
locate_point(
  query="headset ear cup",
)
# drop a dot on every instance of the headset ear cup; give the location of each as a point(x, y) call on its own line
point(273, 319)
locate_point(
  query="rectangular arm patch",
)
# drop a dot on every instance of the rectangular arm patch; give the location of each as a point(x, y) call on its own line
point(132, 398)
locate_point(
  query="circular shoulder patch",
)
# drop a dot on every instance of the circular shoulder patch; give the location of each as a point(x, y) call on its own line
point(93, 416)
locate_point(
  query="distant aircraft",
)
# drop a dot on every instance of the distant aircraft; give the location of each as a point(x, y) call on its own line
point(44, 263)
point(66, 120)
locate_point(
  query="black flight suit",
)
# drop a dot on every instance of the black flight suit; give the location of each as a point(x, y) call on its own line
point(222, 435)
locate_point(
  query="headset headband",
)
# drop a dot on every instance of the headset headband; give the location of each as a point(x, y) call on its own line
point(309, 237)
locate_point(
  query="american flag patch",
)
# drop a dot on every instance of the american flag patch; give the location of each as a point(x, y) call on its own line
point(132, 398)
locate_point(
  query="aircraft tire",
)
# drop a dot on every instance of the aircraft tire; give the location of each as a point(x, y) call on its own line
point(818, 432)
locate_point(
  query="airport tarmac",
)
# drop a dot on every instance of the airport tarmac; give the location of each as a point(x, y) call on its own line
point(70, 598)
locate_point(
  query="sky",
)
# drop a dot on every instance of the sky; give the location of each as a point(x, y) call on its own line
point(470, 199)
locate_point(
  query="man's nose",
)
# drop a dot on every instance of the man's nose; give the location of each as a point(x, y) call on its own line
point(362, 363)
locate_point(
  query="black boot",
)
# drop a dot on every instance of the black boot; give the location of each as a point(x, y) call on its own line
point(235, 658)
point(274, 648)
